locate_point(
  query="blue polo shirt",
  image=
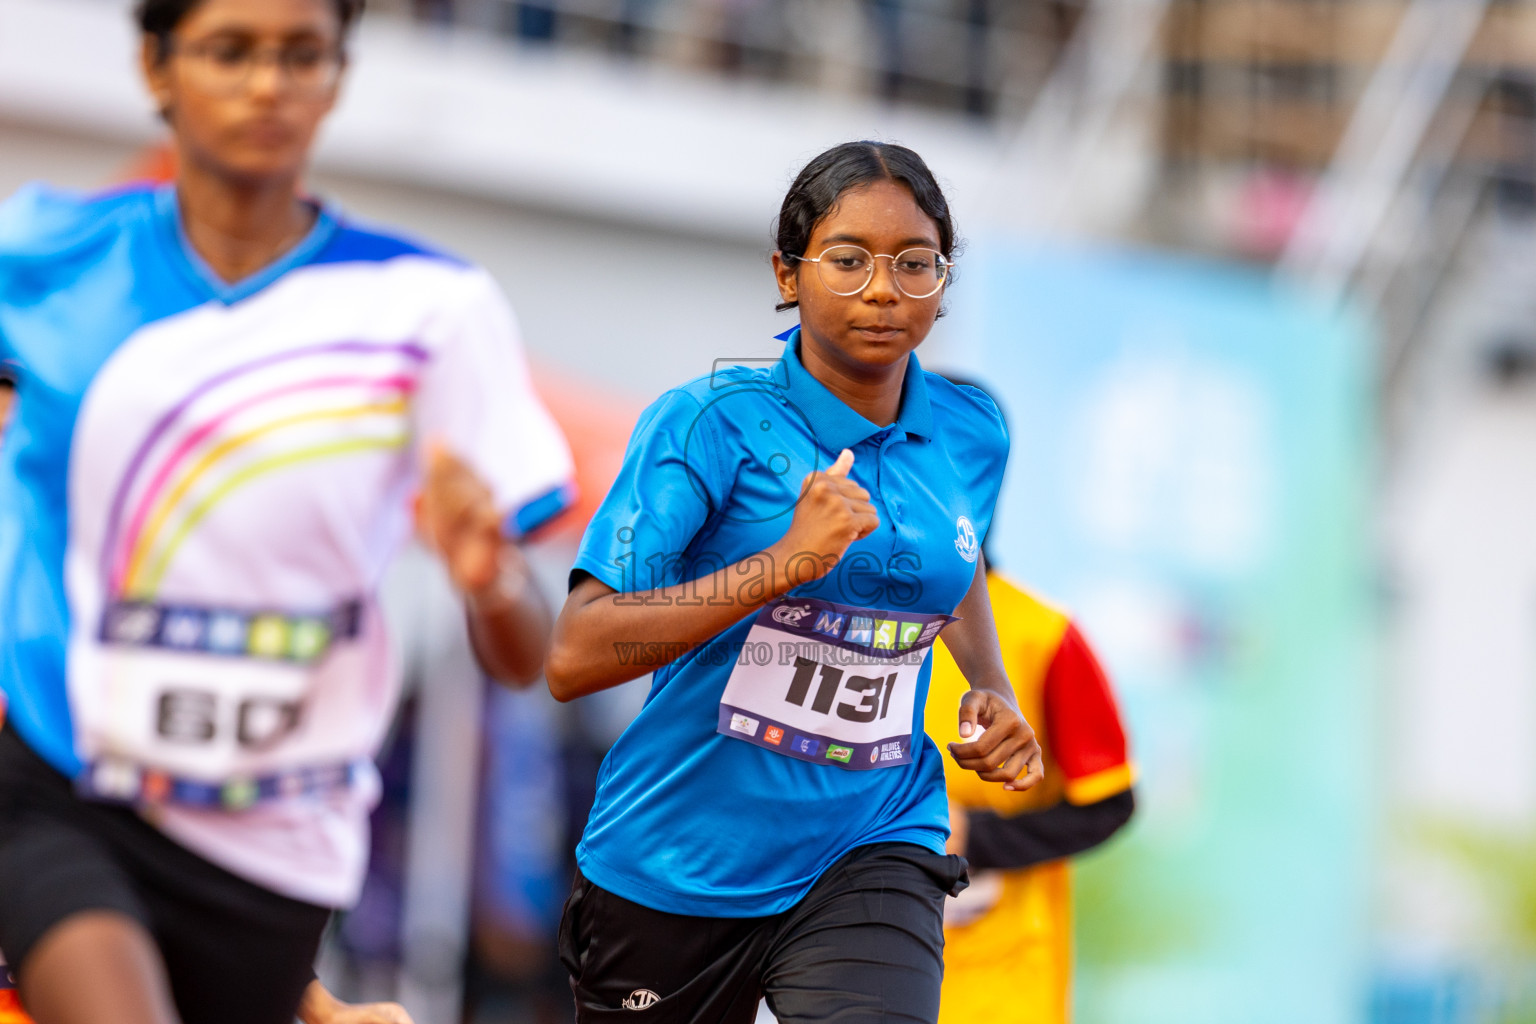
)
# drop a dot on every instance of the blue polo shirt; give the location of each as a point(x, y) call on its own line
point(689, 821)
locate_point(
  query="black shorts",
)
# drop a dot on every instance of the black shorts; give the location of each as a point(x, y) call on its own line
point(235, 953)
point(865, 945)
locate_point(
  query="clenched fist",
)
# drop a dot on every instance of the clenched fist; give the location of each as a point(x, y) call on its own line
point(456, 517)
point(832, 513)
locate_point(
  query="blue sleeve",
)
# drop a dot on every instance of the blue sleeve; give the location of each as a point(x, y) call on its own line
point(42, 226)
point(991, 443)
point(37, 221)
point(669, 486)
point(16, 227)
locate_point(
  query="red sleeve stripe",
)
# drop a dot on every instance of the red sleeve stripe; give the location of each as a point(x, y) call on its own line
point(1082, 720)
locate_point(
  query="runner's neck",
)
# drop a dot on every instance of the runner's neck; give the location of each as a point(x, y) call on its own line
point(875, 396)
point(240, 230)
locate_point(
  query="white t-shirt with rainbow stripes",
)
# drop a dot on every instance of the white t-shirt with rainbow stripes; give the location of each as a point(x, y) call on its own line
point(203, 484)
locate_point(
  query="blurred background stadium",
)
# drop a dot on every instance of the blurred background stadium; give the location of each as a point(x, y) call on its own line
point(1256, 280)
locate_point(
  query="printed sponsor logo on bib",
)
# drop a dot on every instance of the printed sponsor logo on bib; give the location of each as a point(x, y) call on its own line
point(830, 684)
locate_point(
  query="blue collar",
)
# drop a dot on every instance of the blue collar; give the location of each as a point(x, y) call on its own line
point(181, 253)
point(837, 426)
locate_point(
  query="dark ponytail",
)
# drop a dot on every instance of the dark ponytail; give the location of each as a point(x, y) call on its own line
point(853, 165)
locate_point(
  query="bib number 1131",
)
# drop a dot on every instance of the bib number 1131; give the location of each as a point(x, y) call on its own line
point(874, 691)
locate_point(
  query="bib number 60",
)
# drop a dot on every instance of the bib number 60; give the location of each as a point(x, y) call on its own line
point(190, 716)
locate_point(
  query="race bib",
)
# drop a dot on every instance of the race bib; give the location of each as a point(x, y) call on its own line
point(829, 683)
point(197, 705)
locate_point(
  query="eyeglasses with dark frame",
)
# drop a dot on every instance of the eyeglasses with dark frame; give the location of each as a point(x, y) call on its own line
point(847, 269)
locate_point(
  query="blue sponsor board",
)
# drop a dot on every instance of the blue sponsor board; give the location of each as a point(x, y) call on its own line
point(812, 747)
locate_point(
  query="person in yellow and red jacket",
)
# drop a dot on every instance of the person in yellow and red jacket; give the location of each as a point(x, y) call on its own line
point(1008, 937)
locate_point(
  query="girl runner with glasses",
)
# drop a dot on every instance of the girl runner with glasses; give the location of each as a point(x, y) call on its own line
point(782, 546)
point(226, 395)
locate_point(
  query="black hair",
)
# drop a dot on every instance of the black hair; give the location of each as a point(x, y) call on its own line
point(159, 18)
point(851, 165)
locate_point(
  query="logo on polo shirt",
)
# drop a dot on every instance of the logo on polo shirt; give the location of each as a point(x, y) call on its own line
point(965, 539)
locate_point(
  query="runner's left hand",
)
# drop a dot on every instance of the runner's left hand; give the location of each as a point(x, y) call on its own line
point(1006, 751)
point(456, 517)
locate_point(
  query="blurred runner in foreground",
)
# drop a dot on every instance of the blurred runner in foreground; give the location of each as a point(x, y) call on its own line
point(226, 393)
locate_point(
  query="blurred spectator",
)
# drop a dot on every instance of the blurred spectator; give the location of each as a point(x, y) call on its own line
point(436, 11)
point(980, 97)
point(887, 18)
point(636, 25)
point(751, 36)
point(536, 22)
point(939, 52)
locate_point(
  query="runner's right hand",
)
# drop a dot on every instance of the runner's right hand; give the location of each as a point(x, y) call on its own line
point(832, 513)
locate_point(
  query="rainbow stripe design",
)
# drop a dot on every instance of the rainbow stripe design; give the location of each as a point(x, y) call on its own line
point(201, 469)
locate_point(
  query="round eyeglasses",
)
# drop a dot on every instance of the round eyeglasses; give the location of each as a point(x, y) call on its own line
point(223, 67)
point(848, 269)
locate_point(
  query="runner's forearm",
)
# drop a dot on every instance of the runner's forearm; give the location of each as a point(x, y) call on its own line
point(972, 640)
point(510, 623)
point(597, 622)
